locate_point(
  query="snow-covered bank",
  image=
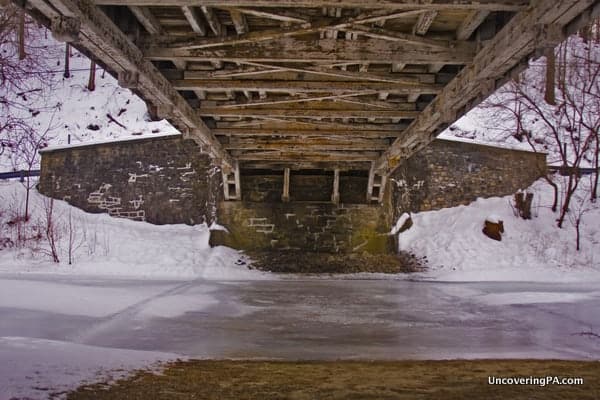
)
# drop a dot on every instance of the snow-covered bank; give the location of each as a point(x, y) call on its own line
point(531, 250)
point(108, 246)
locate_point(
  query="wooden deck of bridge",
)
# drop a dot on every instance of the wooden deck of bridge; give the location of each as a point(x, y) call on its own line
point(328, 84)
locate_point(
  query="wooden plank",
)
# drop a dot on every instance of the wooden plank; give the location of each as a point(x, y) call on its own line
point(101, 37)
point(323, 156)
point(320, 25)
point(306, 144)
point(322, 71)
point(191, 14)
point(294, 100)
point(322, 50)
point(349, 133)
point(538, 27)
point(283, 16)
point(492, 5)
point(213, 21)
point(293, 73)
point(285, 196)
point(394, 36)
point(470, 24)
point(424, 22)
point(335, 195)
point(147, 19)
point(239, 21)
point(304, 113)
point(304, 165)
point(290, 123)
point(335, 87)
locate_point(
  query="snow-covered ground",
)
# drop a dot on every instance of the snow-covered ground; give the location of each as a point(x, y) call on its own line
point(531, 250)
point(108, 246)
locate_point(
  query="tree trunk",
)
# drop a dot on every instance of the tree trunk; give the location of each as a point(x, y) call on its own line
point(67, 73)
point(550, 76)
point(92, 79)
point(22, 54)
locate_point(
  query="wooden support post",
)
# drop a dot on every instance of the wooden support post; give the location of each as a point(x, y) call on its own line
point(335, 196)
point(285, 197)
point(232, 189)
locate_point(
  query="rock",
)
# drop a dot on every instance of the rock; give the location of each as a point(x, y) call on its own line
point(493, 229)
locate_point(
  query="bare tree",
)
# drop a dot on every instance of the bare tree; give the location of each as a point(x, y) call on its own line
point(24, 82)
point(565, 122)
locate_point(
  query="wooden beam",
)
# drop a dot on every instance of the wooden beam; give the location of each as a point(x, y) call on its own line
point(349, 132)
point(323, 71)
point(239, 21)
point(191, 14)
point(213, 21)
point(147, 19)
point(283, 16)
point(323, 156)
point(294, 100)
point(336, 87)
point(304, 113)
point(424, 22)
point(492, 5)
point(470, 24)
point(323, 50)
point(320, 25)
point(335, 195)
point(100, 36)
point(385, 34)
point(536, 28)
point(306, 144)
point(290, 123)
point(285, 196)
point(304, 165)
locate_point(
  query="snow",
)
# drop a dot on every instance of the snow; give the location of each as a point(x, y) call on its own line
point(401, 221)
point(531, 250)
point(40, 368)
point(107, 246)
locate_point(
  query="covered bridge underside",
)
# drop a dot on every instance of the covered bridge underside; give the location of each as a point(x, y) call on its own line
point(312, 84)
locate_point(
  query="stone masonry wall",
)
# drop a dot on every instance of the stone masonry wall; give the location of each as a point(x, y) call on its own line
point(161, 180)
point(169, 180)
point(450, 173)
point(315, 227)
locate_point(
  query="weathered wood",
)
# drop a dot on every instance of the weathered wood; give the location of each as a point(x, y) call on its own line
point(424, 22)
point(394, 36)
point(322, 71)
point(290, 124)
point(147, 19)
point(492, 5)
point(306, 144)
point(101, 37)
point(350, 132)
point(285, 196)
point(320, 25)
point(305, 113)
point(525, 32)
point(322, 50)
point(294, 100)
point(239, 21)
point(335, 195)
point(323, 156)
point(304, 165)
point(470, 24)
point(336, 87)
point(213, 21)
point(284, 16)
point(191, 14)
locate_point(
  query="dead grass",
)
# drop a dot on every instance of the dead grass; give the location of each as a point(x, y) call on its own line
point(259, 380)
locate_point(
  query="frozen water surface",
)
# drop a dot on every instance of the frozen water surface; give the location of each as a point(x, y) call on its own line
point(60, 330)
